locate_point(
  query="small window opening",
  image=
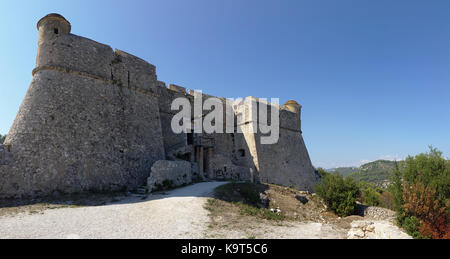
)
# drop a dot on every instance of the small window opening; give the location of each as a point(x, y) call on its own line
point(56, 30)
point(185, 157)
point(190, 138)
point(241, 152)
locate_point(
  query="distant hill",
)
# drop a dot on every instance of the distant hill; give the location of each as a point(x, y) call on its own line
point(377, 172)
point(345, 171)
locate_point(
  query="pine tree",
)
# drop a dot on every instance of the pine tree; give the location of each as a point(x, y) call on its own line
point(396, 188)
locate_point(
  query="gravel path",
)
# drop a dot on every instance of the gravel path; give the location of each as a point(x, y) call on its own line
point(177, 214)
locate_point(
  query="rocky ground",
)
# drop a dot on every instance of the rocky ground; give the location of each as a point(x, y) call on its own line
point(189, 212)
point(289, 213)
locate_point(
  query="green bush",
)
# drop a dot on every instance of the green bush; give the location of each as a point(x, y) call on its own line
point(339, 194)
point(321, 172)
point(411, 225)
point(371, 197)
point(430, 168)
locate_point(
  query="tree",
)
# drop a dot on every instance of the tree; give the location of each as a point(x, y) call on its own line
point(396, 188)
point(421, 193)
point(2, 138)
point(432, 169)
point(338, 193)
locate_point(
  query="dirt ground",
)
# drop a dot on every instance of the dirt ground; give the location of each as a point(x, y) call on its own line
point(237, 212)
point(12, 207)
point(202, 210)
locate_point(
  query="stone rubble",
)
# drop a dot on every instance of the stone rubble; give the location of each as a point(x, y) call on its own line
point(377, 229)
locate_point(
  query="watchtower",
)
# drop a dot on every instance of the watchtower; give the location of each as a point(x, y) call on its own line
point(50, 27)
point(294, 107)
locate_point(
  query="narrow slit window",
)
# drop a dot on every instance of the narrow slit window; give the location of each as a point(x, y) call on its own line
point(190, 138)
point(56, 31)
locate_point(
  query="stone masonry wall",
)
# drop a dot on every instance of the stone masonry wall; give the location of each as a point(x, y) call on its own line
point(89, 122)
point(98, 119)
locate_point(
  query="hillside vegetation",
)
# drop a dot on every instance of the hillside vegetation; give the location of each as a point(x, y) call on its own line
point(377, 172)
point(344, 171)
point(419, 192)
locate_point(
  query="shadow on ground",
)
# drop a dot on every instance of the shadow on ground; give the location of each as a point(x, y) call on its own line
point(202, 189)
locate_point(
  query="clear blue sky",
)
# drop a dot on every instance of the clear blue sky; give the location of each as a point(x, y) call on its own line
point(373, 76)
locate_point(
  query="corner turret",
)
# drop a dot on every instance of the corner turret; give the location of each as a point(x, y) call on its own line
point(50, 27)
point(294, 107)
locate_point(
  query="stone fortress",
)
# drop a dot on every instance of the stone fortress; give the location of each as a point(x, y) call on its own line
point(98, 119)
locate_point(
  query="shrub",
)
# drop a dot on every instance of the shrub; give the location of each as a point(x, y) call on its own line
point(321, 172)
point(338, 193)
point(371, 197)
point(387, 200)
point(411, 224)
point(2, 138)
point(421, 193)
point(421, 202)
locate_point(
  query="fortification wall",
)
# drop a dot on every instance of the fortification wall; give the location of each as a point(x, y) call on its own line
point(166, 96)
point(90, 120)
point(291, 166)
point(76, 53)
point(94, 119)
point(75, 133)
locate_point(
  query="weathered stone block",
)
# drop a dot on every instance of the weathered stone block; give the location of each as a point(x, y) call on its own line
point(167, 174)
point(177, 88)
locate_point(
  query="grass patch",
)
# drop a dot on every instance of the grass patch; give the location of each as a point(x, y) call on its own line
point(246, 209)
point(245, 197)
point(247, 193)
point(262, 213)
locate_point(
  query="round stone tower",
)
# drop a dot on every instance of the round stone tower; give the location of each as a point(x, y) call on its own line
point(294, 107)
point(50, 27)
